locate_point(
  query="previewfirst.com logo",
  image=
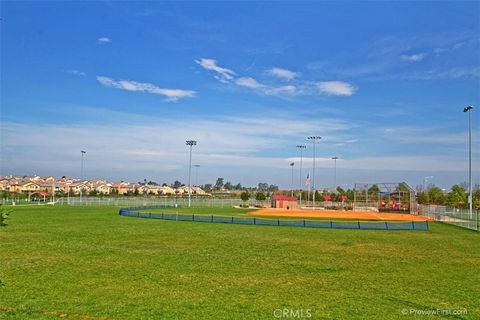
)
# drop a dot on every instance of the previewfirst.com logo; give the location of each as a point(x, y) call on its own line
point(292, 313)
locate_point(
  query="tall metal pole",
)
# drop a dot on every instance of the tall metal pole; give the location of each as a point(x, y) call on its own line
point(470, 197)
point(291, 165)
point(190, 143)
point(196, 178)
point(335, 174)
point(301, 147)
point(314, 139)
point(81, 174)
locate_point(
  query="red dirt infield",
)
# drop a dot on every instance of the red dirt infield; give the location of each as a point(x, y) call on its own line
point(333, 214)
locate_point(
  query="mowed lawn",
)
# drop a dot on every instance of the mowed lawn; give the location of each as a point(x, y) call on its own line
point(91, 263)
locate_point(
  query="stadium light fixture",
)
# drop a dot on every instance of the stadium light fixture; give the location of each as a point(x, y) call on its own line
point(301, 147)
point(468, 109)
point(314, 139)
point(190, 143)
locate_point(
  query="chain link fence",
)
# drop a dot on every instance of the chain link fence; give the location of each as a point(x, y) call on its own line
point(140, 212)
point(459, 217)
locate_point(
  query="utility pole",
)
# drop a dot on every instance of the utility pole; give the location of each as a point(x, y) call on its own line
point(301, 147)
point(468, 109)
point(314, 139)
point(190, 143)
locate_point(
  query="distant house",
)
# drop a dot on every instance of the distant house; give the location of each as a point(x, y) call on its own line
point(165, 190)
point(25, 187)
point(284, 202)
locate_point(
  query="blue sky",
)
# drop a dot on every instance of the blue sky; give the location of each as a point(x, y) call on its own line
point(383, 83)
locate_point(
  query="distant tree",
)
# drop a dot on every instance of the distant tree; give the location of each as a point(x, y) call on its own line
point(423, 198)
point(3, 215)
point(341, 191)
point(93, 193)
point(219, 183)
point(177, 184)
point(207, 187)
point(260, 196)
point(476, 199)
point(238, 186)
point(228, 186)
point(244, 196)
point(436, 196)
point(136, 192)
point(272, 188)
point(374, 189)
point(457, 198)
point(262, 186)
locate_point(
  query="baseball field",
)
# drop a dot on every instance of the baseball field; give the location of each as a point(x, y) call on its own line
point(90, 263)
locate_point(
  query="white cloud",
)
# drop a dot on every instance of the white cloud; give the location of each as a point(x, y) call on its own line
point(414, 57)
point(103, 40)
point(283, 73)
point(170, 94)
point(336, 88)
point(282, 90)
point(249, 83)
point(75, 72)
point(223, 74)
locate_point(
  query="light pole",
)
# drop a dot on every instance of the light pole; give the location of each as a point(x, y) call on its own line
point(335, 174)
point(301, 147)
point(291, 165)
point(314, 139)
point(470, 198)
point(425, 183)
point(190, 143)
point(196, 178)
point(81, 174)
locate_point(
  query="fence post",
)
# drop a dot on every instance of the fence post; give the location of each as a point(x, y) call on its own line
point(254, 220)
point(278, 221)
point(413, 225)
point(358, 224)
point(232, 219)
point(304, 223)
point(331, 224)
point(193, 217)
point(211, 218)
point(386, 225)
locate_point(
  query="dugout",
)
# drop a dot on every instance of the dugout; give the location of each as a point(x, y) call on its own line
point(284, 202)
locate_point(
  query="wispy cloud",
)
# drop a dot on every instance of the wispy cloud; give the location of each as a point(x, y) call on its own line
point(413, 57)
point(336, 88)
point(283, 73)
point(170, 94)
point(249, 83)
point(103, 40)
point(222, 74)
point(298, 88)
point(75, 72)
point(443, 74)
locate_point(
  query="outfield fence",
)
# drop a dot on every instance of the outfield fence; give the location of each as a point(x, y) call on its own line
point(140, 212)
point(458, 217)
point(200, 202)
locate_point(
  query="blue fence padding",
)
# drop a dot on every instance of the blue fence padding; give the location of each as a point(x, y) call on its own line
point(202, 218)
point(318, 224)
point(373, 225)
point(345, 225)
point(364, 225)
point(222, 219)
point(244, 220)
point(420, 225)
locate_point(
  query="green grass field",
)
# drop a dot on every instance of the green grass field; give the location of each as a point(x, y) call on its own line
point(91, 263)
